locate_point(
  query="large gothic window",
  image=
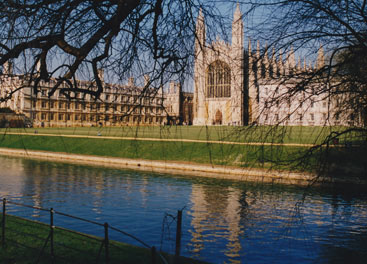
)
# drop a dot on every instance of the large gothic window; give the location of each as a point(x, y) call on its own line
point(218, 80)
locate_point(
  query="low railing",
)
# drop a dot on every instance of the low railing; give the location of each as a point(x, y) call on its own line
point(50, 243)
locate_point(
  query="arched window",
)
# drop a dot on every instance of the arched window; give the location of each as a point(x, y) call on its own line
point(218, 80)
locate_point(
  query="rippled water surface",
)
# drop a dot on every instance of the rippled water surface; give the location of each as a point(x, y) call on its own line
point(223, 221)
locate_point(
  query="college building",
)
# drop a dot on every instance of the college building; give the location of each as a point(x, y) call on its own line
point(118, 104)
point(232, 85)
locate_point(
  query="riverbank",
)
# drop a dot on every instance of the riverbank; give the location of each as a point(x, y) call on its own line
point(182, 168)
point(244, 161)
point(25, 239)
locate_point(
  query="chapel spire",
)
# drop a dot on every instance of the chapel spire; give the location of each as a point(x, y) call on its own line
point(320, 58)
point(237, 14)
point(200, 35)
point(280, 64)
point(266, 62)
point(237, 29)
point(258, 60)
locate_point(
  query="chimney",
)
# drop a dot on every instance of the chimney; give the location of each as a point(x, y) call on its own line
point(172, 87)
point(8, 68)
point(131, 81)
point(101, 74)
point(146, 80)
point(320, 63)
point(38, 66)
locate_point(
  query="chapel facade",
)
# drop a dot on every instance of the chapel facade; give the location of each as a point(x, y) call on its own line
point(219, 81)
point(238, 86)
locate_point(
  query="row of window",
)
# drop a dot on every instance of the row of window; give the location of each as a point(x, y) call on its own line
point(300, 103)
point(98, 107)
point(300, 117)
point(115, 98)
point(96, 118)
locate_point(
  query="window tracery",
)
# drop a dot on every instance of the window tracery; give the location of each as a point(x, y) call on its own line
point(218, 80)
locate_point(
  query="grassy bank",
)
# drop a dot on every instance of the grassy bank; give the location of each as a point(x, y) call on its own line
point(25, 240)
point(269, 134)
point(204, 153)
point(336, 160)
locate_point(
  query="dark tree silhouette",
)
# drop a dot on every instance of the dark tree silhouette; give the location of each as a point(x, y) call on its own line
point(74, 39)
point(331, 38)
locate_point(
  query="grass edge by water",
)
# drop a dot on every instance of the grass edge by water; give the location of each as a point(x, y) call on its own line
point(22, 247)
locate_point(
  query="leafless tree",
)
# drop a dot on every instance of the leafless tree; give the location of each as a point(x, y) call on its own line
point(73, 39)
point(331, 36)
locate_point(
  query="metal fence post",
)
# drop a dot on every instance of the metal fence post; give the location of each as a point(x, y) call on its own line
point(106, 242)
point(154, 254)
point(3, 224)
point(52, 232)
point(178, 233)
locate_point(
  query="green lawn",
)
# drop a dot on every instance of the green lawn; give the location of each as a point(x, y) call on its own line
point(279, 134)
point(25, 240)
point(298, 158)
point(220, 154)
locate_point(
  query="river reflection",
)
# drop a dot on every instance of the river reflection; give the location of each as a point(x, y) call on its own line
point(223, 221)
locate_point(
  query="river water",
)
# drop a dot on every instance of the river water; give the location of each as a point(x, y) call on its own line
point(223, 221)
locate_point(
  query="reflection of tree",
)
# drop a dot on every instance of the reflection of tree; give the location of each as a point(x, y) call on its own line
point(235, 219)
point(11, 172)
point(244, 207)
point(47, 181)
point(352, 250)
point(144, 184)
point(34, 185)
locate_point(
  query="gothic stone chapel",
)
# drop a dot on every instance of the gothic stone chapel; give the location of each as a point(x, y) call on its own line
point(233, 86)
point(220, 96)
